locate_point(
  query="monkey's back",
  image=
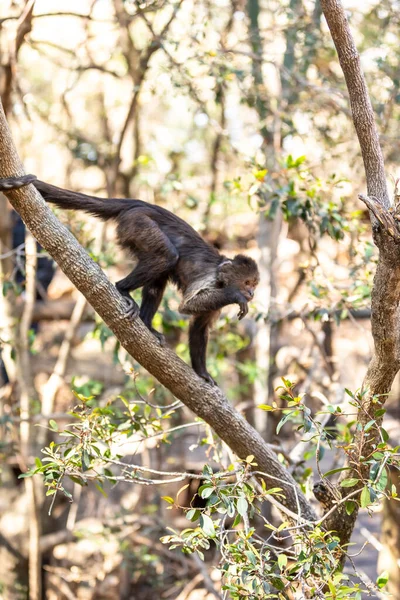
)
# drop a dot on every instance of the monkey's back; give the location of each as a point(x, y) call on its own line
point(197, 258)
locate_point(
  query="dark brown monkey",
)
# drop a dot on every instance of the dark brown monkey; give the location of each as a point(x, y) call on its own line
point(166, 248)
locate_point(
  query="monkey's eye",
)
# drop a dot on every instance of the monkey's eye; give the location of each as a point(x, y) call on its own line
point(247, 282)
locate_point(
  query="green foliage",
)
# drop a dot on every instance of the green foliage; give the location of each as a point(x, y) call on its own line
point(9, 286)
point(92, 441)
point(209, 76)
point(252, 564)
point(299, 195)
point(257, 566)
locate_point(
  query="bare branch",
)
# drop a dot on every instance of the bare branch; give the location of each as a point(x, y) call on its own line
point(361, 107)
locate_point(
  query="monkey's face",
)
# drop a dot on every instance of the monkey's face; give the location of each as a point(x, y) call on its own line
point(242, 273)
point(248, 288)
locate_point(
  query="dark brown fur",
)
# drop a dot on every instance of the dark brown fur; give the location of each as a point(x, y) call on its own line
point(167, 248)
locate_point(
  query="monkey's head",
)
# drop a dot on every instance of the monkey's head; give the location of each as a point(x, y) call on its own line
point(240, 272)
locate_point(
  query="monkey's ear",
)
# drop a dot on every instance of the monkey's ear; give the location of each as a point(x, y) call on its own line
point(226, 261)
point(224, 270)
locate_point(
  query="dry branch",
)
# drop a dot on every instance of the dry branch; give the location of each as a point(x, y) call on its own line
point(360, 103)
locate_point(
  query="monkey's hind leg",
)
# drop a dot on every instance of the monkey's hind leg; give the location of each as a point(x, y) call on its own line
point(157, 256)
point(151, 298)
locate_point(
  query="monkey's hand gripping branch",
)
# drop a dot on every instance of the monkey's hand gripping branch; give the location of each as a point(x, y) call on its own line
point(388, 218)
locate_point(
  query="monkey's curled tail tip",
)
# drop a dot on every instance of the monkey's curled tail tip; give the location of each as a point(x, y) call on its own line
point(14, 183)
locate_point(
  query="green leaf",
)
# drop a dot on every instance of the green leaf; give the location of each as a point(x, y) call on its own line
point(350, 506)
point(242, 506)
point(273, 491)
point(207, 525)
point(282, 561)
point(85, 459)
point(168, 499)
point(378, 455)
point(380, 412)
point(299, 161)
point(383, 481)
point(200, 554)
point(53, 425)
point(27, 474)
point(230, 510)
point(101, 489)
point(385, 435)
point(374, 470)
point(206, 492)
point(338, 470)
point(251, 556)
point(351, 482)
point(193, 514)
point(382, 579)
point(124, 401)
point(365, 498)
point(283, 421)
point(110, 476)
point(236, 521)
point(369, 425)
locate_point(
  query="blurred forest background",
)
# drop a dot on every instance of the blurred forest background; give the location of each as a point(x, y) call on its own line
point(234, 115)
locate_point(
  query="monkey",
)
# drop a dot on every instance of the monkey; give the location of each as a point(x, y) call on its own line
point(167, 249)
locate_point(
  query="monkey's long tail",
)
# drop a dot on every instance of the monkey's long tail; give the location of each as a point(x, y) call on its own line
point(100, 207)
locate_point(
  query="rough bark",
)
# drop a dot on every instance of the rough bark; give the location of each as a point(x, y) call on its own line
point(385, 316)
point(207, 402)
point(389, 555)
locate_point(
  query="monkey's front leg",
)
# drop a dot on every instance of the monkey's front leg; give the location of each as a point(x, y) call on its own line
point(198, 339)
point(214, 299)
point(243, 309)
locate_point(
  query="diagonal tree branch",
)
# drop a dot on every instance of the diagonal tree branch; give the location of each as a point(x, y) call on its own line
point(206, 401)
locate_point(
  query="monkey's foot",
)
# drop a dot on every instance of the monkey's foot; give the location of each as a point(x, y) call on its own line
point(132, 309)
point(159, 336)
